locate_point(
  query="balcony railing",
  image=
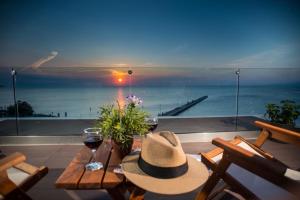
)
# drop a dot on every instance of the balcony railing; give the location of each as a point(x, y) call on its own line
point(77, 93)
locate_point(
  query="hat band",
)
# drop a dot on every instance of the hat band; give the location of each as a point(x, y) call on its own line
point(162, 172)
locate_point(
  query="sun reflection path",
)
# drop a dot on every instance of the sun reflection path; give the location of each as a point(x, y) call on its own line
point(121, 98)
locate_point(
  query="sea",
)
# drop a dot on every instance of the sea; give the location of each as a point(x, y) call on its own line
point(79, 92)
point(85, 102)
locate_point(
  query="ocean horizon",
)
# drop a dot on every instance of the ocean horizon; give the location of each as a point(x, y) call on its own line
point(84, 102)
point(78, 93)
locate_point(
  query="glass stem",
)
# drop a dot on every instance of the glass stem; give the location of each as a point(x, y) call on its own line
point(94, 155)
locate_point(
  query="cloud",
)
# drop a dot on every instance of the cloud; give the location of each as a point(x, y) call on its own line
point(42, 61)
point(180, 48)
point(278, 57)
point(120, 65)
point(150, 64)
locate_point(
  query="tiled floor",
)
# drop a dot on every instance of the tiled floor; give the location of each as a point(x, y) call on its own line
point(57, 157)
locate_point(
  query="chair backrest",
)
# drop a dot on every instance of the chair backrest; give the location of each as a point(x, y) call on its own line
point(271, 170)
point(265, 166)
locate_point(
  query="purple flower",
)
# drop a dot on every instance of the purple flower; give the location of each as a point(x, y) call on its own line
point(132, 99)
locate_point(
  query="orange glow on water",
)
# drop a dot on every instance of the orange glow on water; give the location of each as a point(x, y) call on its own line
point(121, 98)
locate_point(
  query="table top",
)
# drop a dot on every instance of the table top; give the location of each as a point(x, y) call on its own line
point(75, 176)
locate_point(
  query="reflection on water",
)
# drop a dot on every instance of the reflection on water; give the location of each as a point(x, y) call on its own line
point(120, 97)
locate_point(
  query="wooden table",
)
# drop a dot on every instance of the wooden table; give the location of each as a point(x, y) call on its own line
point(75, 176)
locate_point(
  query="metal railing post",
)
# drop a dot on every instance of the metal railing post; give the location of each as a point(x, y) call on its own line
point(237, 72)
point(14, 74)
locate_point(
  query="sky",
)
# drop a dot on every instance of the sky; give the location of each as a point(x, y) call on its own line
point(36, 35)
point(150, 33)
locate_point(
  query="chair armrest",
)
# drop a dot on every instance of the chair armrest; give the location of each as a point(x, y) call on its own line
point(207, 158)
point(279, 133)
point(11, 160)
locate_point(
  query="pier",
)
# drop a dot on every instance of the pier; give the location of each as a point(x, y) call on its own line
point(176, 111)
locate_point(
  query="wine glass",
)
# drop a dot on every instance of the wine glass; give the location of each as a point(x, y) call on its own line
point(92, 138)
point(152, 122)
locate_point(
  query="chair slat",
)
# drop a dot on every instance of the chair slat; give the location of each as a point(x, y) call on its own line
point(11, 160)
point(30, 169)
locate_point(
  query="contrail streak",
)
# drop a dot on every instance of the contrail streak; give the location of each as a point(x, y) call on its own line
point(41, 61)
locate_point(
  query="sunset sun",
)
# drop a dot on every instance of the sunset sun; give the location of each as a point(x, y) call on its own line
point(118, 77)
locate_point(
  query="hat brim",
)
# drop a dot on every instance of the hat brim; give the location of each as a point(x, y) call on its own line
point(196, 175)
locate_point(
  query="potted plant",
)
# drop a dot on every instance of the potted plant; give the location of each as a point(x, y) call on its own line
point(122, 123)
point(286, 113)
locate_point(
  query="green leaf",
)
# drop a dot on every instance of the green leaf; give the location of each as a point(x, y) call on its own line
point(286, 113)
point(122, 124)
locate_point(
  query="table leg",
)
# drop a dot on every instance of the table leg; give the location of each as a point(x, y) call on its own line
point(137, 194)
point(116, 193)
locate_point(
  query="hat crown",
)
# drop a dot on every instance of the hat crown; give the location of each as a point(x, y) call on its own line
point(163, 150)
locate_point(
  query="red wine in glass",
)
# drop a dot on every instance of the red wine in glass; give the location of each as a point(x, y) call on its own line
point(152, 127)
point(92, 138)
point(93, 142)
point(152, 123)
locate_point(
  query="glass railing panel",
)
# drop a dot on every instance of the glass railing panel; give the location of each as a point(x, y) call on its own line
point(173, 91)
point(77, 93)
point(6, 100)
point(262, 86)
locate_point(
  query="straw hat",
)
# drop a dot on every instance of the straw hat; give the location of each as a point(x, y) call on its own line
point(162, 166)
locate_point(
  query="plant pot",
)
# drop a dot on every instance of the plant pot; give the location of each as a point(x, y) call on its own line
point(121, 150)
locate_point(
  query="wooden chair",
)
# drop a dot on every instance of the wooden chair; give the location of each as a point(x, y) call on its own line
point(17, 176)
point(251, 157)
